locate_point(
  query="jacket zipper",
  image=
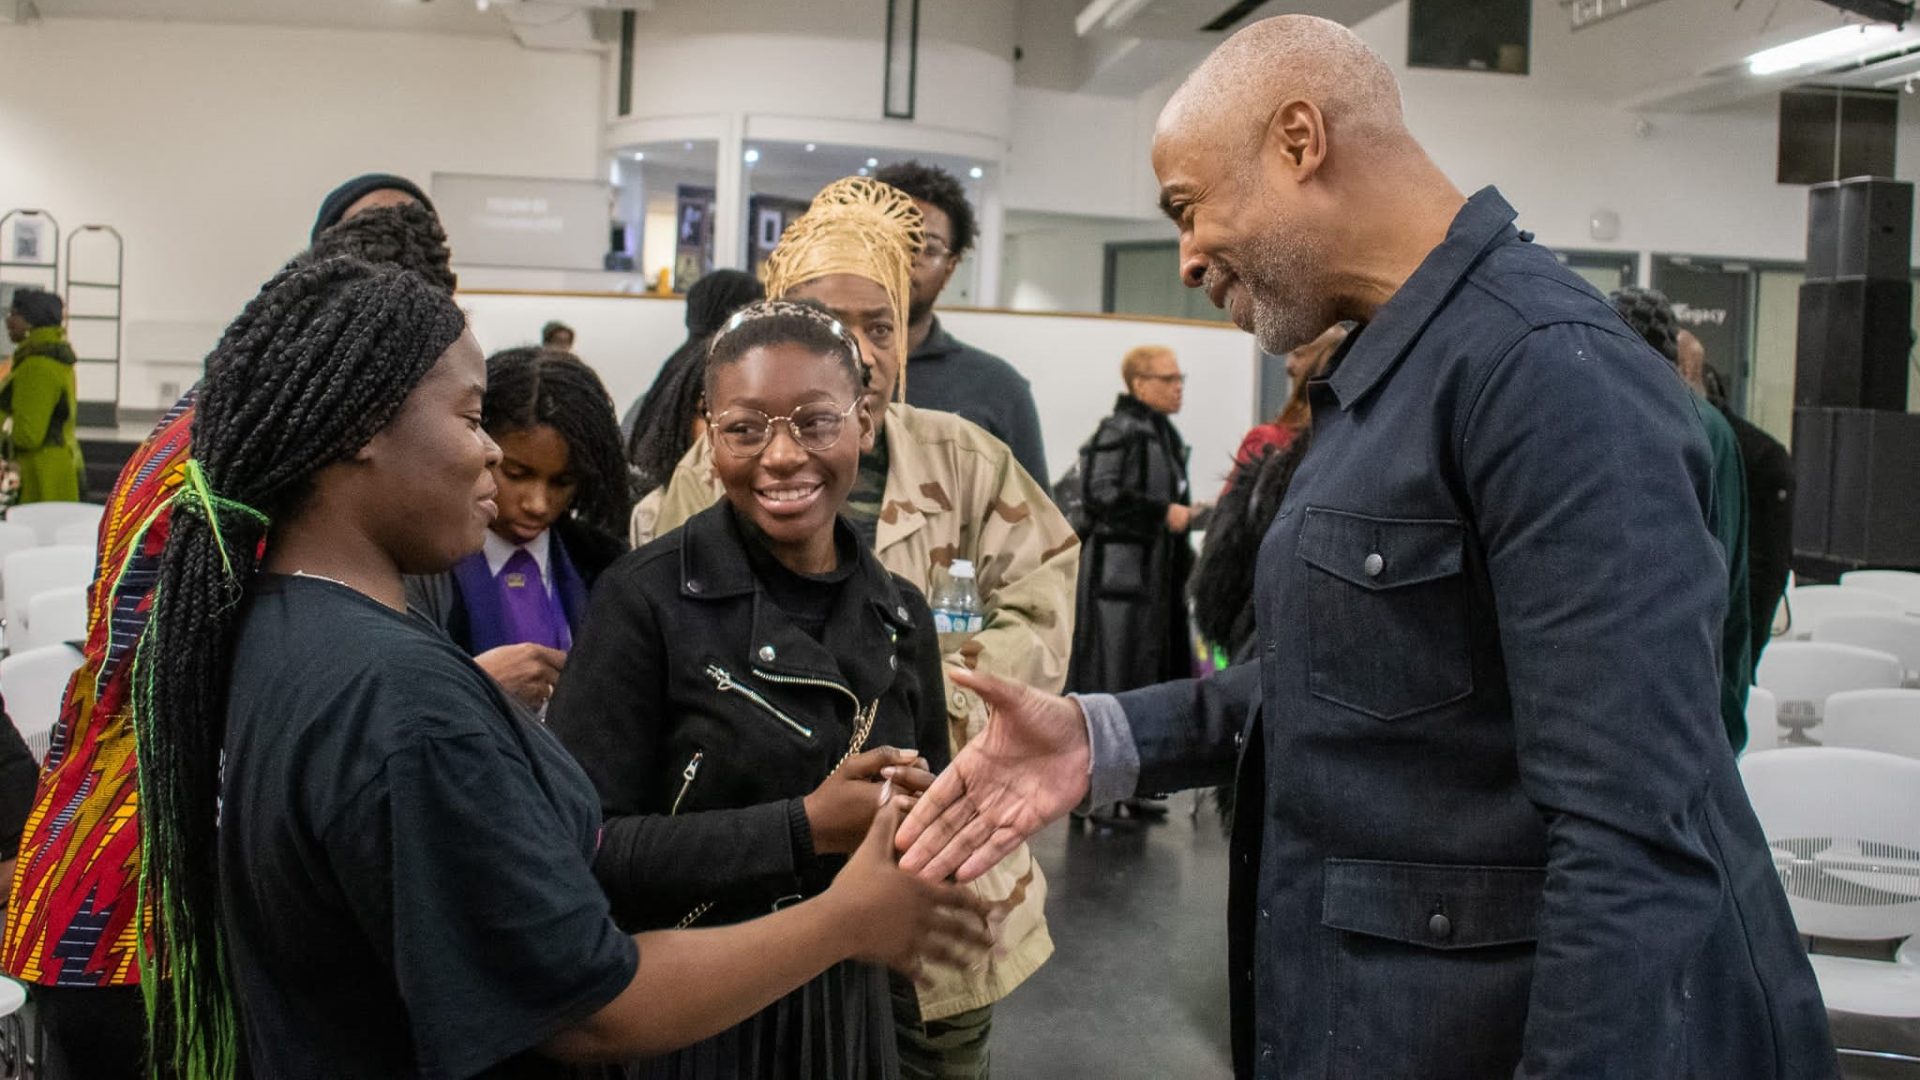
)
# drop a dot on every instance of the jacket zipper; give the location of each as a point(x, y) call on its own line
point(724, 681)
point(799, 680)
point(863, 715)
point(686, 780)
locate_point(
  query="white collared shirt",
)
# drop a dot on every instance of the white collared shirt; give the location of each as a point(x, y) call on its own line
point(498, 551)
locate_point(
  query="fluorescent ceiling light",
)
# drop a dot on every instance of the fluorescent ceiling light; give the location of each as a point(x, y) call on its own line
point(1845, 41)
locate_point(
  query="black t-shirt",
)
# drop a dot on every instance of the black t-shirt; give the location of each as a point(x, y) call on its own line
point(807, 599)
point(405, 869)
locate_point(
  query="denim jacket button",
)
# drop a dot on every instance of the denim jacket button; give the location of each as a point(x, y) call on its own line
point(1374, 565)
point(1440, 927)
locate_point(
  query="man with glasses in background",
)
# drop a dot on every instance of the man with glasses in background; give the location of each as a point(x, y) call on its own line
point(948, 374)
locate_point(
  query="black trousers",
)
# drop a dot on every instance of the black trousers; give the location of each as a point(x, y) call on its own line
point(92, 1034)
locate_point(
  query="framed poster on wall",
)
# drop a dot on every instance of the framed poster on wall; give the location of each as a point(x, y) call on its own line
point(693, 242)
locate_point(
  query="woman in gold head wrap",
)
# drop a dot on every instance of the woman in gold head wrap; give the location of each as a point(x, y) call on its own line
point(933, 490)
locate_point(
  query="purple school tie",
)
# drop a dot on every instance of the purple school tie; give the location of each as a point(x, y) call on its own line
point(531, 614)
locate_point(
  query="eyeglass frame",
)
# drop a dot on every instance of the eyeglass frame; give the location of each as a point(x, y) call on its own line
point(793, 429)
point(946, 252)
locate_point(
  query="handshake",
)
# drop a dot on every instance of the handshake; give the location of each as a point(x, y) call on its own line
point(1026, 770)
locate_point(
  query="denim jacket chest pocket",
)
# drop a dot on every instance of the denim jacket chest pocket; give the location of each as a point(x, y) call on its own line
point(1386, 612)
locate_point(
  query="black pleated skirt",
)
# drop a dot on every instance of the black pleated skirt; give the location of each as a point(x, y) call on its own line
point(837, 1027)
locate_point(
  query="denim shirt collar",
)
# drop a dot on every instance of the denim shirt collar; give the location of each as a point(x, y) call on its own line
point(1372, 352)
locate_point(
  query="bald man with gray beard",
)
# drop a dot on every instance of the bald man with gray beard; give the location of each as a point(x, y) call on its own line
point(1489, 823)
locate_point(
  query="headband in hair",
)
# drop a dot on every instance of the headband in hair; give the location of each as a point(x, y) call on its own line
point(814, 313)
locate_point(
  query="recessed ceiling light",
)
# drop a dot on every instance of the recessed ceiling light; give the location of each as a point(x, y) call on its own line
point(872, 161)
point(976, 172)
point(639, 155)
point(809, 148)
point(751, 155)
point(864, 170)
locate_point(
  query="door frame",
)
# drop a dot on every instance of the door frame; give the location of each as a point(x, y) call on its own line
point(1111, 255)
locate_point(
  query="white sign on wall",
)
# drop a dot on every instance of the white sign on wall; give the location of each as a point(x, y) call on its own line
point(524, 221)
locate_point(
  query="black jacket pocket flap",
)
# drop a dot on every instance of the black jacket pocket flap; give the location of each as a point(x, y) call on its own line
point(1438, 906)
point(1380, 553)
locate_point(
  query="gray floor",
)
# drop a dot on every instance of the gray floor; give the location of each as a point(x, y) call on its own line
point(1136, 989)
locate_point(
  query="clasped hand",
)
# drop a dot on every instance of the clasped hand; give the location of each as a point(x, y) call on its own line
point(1026, 769)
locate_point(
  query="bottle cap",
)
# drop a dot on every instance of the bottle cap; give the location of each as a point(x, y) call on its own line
point(961, 568)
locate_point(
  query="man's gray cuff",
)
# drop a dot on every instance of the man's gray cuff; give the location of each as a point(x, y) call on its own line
point(1115, 760)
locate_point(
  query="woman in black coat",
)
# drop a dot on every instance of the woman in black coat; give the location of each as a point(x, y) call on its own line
point(741, 686)
point(1131, 630)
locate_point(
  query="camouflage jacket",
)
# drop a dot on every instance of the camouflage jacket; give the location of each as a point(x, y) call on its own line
point(955, 492)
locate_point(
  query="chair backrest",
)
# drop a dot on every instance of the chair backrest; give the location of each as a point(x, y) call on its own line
point(1808, 605)
point(1883, 720)
point(46, 518)
point(1803, 674)
point(1763, 720)
point(30, 573)
point(1902, 585)
point(1895, 634)
point(34, 682)
point(1848, 825)
point(56, 616)
point(77, 534)
point(15, 537)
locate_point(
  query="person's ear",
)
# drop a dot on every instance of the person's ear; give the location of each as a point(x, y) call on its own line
point(866, 429)
point(1296, 140)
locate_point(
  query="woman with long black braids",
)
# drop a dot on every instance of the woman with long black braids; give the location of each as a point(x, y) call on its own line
point(354, 850)
point(518, 602)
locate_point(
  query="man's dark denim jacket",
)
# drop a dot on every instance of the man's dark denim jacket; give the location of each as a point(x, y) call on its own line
point(1490, 824)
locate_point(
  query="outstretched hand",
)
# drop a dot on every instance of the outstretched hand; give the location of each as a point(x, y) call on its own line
point(1025, 770)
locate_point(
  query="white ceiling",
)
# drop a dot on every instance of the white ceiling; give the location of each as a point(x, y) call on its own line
point(437, 16)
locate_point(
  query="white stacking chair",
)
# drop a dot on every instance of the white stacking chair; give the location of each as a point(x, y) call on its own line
point(1763, 720)
point(29, 573)
point(1844, 826)
point(1809, 605)
point(47, 518)
point(77, 534)
point(1895, 634)
point(1902, 585)
point(1883, 720)
point(55, 616)
point(34, 682)
point(15, 537)
point(1804, 674)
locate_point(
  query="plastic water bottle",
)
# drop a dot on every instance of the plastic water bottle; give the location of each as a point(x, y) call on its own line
point(956, 601)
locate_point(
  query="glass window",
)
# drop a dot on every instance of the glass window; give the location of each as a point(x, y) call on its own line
point(783, 177)
point(663, 211)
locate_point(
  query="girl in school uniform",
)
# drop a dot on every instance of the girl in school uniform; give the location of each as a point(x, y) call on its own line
point(516, 604)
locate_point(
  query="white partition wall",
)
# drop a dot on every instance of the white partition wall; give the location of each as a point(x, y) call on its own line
point(625, 338)
point(1073, 361)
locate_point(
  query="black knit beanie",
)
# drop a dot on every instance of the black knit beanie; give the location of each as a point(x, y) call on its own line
point(334, 207)
point(38, 306)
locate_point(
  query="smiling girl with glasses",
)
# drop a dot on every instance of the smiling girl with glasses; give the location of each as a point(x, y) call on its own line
point(741, 687)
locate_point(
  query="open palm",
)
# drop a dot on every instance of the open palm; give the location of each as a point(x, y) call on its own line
point(1026, 769)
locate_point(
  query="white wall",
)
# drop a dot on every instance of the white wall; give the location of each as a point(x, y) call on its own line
point(210, 147)
point(1057, 262)
point(824, 60)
